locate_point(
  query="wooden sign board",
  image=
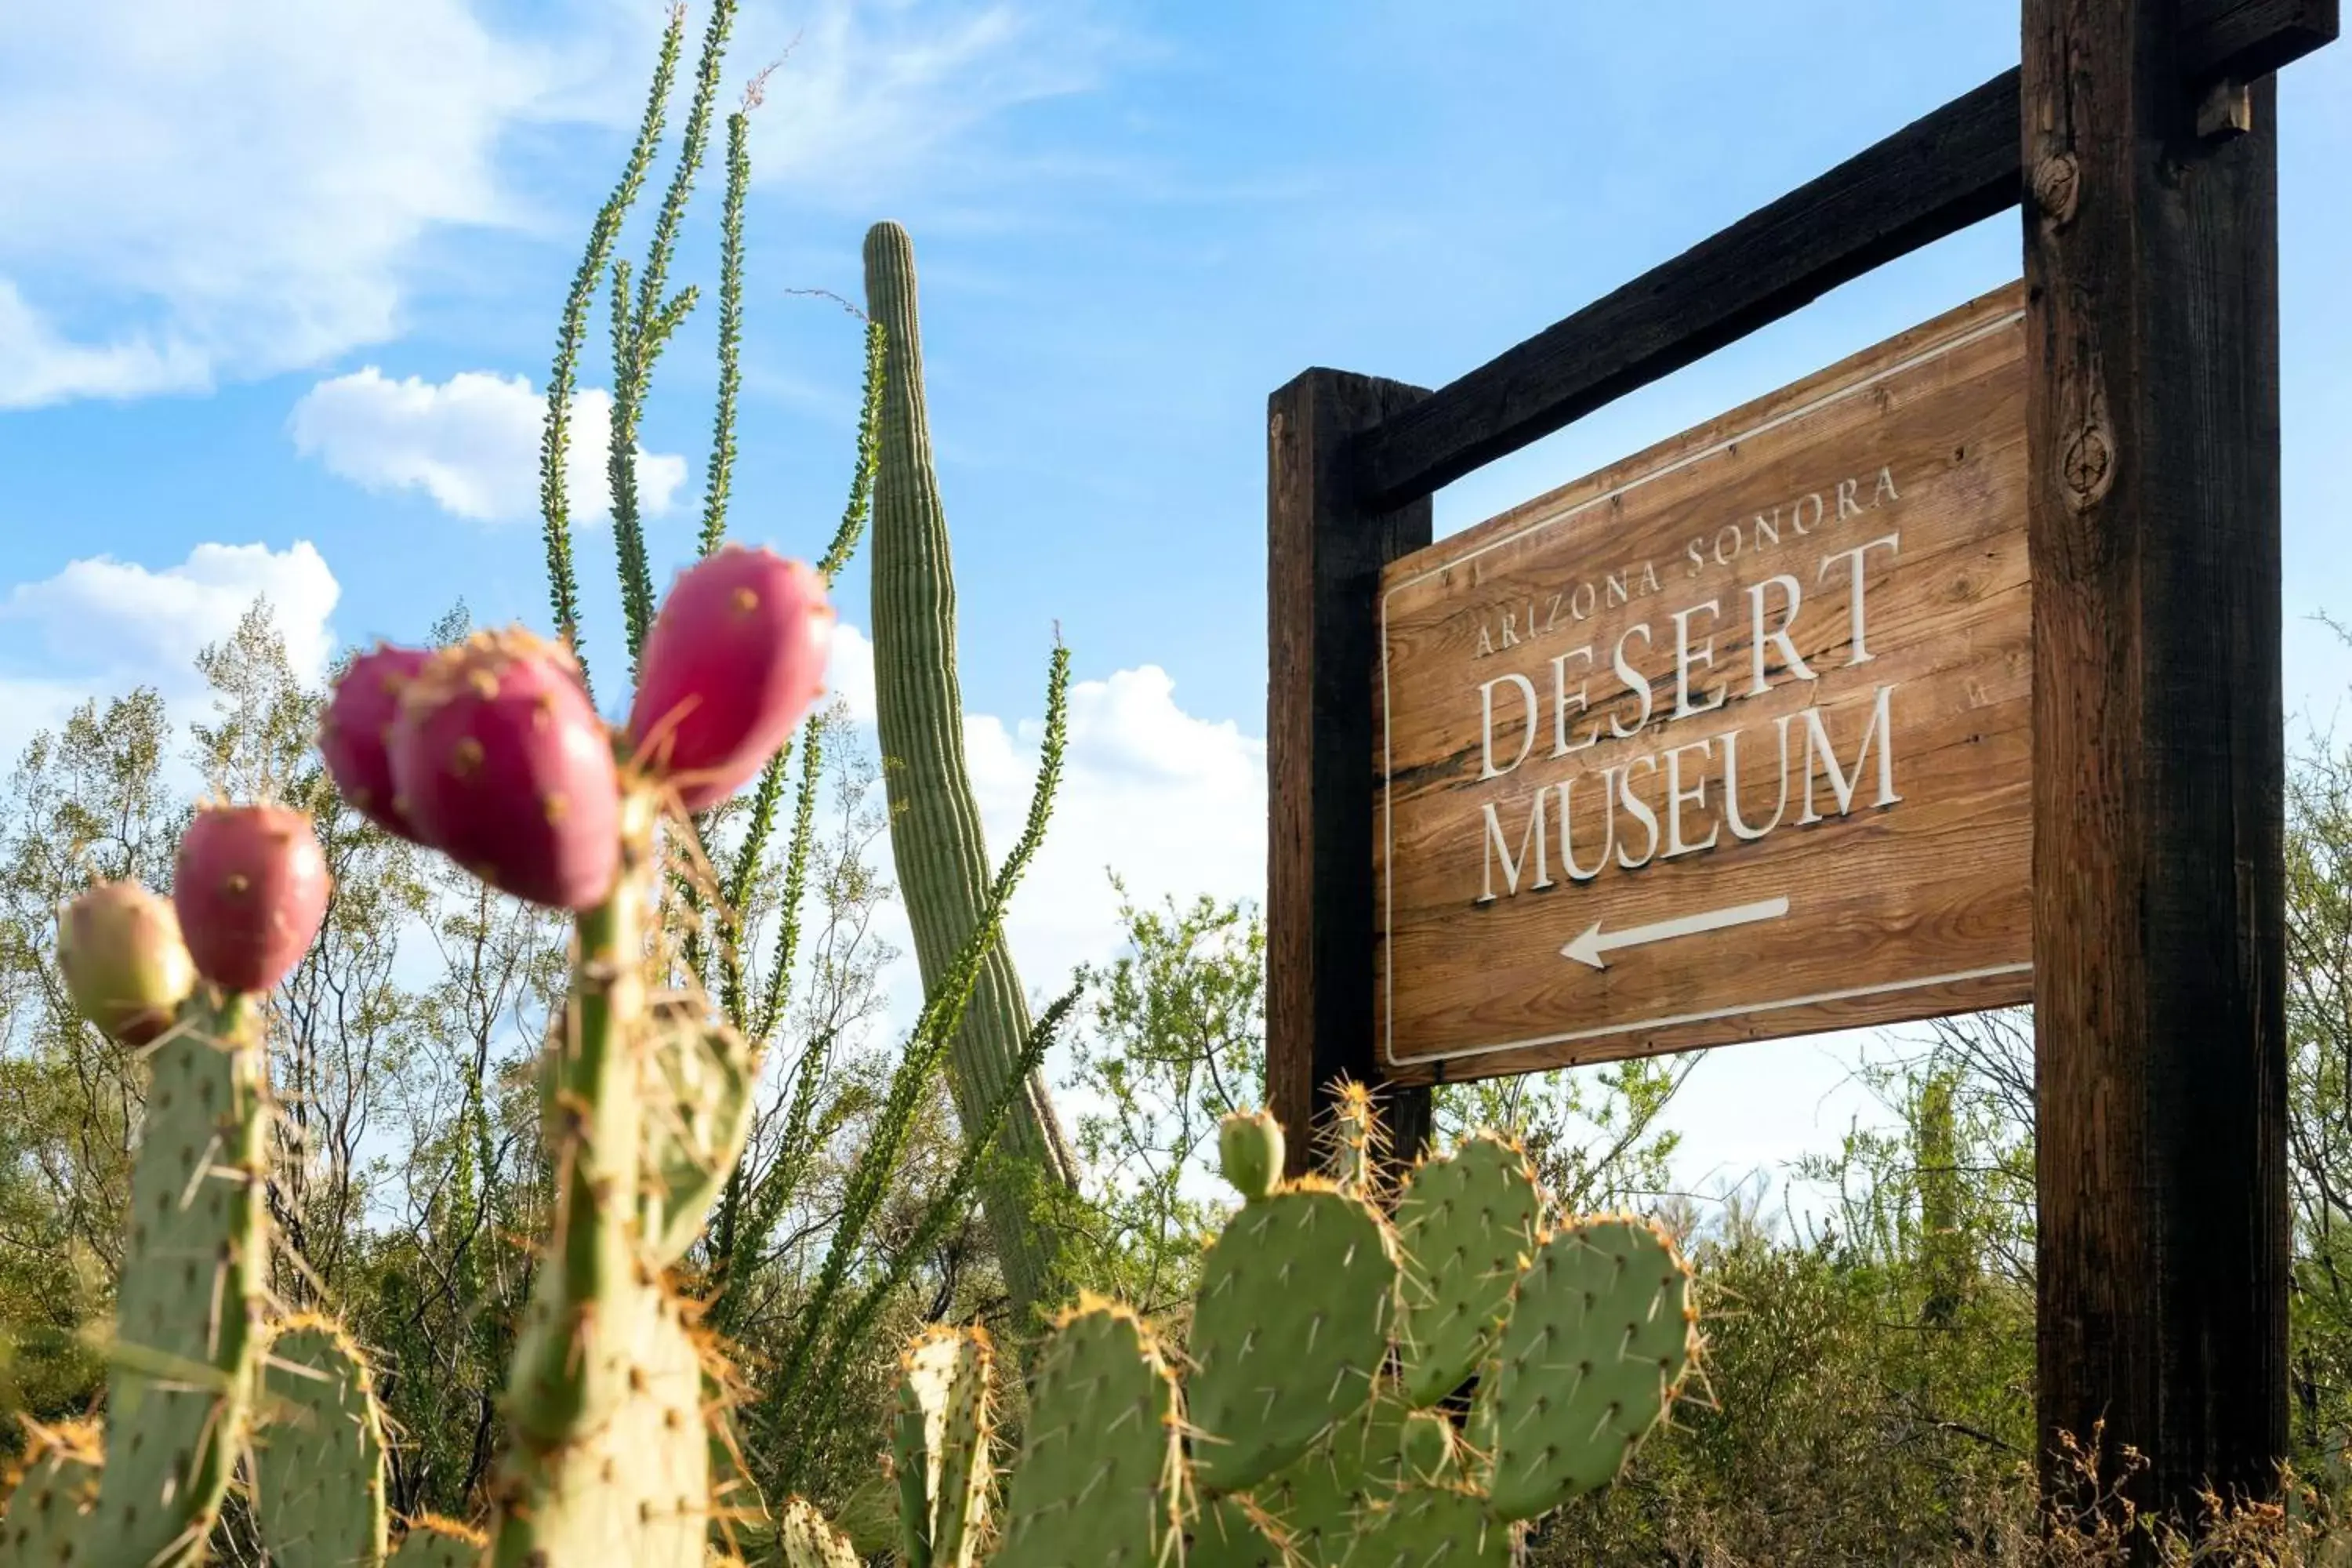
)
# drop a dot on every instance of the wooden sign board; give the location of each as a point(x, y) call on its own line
point(1727, 741)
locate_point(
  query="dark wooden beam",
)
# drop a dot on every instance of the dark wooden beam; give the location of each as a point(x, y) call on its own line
point(2152, 412)
point(1325, 550)
point(1934, 177)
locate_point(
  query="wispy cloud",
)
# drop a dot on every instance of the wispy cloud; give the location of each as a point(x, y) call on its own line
point(470, 442)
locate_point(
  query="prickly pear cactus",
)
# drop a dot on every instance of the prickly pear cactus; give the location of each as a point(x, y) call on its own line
point(1234, 1533)
point(318, 1461)
point(52, 1498)
point(1319, 1497)
point(809, 1538)
point(1101, 1473)
point(699, 1079)
point(432, 1541)
point(189, 1304)
point(1292, 1324)
point(940, 1443)
point(1600, 1337)
point(1464, 1224)
point(1432, 1527)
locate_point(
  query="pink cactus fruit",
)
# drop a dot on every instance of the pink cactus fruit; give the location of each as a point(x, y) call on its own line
point(125, 966)
point(734, 660)
point(250, 888)
point(498, 759)
point(355, 735)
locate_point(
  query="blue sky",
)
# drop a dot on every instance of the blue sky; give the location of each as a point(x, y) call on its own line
point(271, 272)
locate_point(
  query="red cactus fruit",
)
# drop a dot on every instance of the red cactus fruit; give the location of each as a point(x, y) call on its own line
point(733, 661)
point(250, 888)
point(498, 759)
point(125, 966)
point(355, 732)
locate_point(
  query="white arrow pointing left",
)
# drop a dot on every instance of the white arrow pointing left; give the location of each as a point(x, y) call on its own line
point(1587, 948)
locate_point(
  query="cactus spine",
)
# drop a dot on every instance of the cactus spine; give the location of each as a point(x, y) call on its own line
point(935, 832)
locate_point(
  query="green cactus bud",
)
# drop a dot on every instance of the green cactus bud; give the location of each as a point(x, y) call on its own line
point(809, 1538)
point(1249, 1153)
point(700, 1077)
point(432, 1541)
point(1292, 1324)
point(1600, 1337)
point(124, 964)
point(1422, 1526)
point(1428, 1450)
point(52, 1498)
point(1465, 1223)
point(1101, 1474)
point(1318, 1497)
point(940, 1445)
point(1234, 1533)
point(318, 1464)
point(635, 1487)
point(189, 1305)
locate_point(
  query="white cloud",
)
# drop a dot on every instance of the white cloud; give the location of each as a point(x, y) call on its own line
point(864, 95)
point(849, 672)
point(470, 442)
point(233, 187)
point(120, 620)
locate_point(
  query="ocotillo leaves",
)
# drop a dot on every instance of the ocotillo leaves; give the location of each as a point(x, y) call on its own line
point(124, 964)
point(50, 1506)
point(436, 1542)
point(1101, 1472)
point(318, 1463)
point(734, 660)
point(188, 1306)
point(251, 888)
point(1599, 1336)
point(502, 763)
point(940, 1443)
point(1296, 1297)
point(1431, 1527)
point(1466, 1223)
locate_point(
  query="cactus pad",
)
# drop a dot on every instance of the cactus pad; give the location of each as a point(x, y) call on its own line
point(1431, 1527)
point(1600, 1337)
point(1249, 1153)
point(1428, 1453)
point(1296, 1297)
point(1464, 1223)
point(318, 1470)
point(699, 1104)
point(432, 1541)
point(1234, 1533)
point(940, 1443)
point(633, 1487)
point(1100, 1479)
point(188, 1308)
point(1318, 1497)
point(50, 1503)
point(809, 1538)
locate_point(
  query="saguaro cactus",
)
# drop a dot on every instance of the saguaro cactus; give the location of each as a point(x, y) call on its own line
point(935, 833)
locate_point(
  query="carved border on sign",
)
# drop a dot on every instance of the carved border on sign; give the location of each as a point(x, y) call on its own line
point(1828, 398)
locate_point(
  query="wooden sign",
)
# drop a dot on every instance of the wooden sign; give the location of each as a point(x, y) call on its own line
point(1726, 742)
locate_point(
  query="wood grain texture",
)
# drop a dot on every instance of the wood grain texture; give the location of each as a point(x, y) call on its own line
point(2153, 506)
point(1936, 176)
point(1324, 556)
point(1908, 901)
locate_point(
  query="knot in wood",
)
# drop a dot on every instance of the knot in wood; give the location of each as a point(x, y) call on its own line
point(2089, 462)
point(2057, 183)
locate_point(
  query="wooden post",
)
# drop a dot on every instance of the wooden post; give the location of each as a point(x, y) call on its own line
point(1324, 556)
point(2158, 915)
